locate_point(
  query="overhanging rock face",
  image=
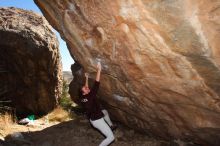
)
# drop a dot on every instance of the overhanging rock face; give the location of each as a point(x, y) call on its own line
point(30, 67)
point(160, 60)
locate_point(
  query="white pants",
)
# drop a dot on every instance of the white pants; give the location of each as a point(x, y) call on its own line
point(106, 117)
point(103, 127)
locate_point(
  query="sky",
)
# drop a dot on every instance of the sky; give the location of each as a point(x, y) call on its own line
point(30, 5)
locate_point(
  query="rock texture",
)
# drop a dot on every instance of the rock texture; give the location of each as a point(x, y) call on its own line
point(30, 67)
point(160, 60)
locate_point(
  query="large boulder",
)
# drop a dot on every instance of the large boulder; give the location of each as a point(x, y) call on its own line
point(30, 65)
point(160, 60)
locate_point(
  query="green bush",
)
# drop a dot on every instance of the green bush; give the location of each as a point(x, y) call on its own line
point(65, 100)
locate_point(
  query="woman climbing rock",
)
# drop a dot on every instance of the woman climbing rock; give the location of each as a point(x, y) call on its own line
point(99, 118)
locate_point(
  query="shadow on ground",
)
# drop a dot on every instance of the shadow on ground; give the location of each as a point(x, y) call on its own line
point(79, 132)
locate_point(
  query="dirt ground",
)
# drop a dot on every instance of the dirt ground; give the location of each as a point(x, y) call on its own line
point(57, 129)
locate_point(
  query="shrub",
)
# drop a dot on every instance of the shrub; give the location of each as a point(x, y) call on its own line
point(65, 100)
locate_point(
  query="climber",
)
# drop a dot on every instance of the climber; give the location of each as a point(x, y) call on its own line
point(98, 118)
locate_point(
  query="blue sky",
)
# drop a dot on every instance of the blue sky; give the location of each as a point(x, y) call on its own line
point(30, 5)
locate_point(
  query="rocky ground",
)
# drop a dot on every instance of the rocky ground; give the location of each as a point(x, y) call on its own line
point(57, 129)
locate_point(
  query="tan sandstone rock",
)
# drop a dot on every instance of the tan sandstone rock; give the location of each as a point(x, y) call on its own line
point(160, 60)
point(30, 66)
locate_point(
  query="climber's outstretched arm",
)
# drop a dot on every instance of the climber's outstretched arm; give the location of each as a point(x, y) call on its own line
point(87, 80)
point(99, 68)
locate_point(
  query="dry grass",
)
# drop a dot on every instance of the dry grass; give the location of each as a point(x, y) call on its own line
point(6, 120)
point(58, 115)
point(7, 126)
